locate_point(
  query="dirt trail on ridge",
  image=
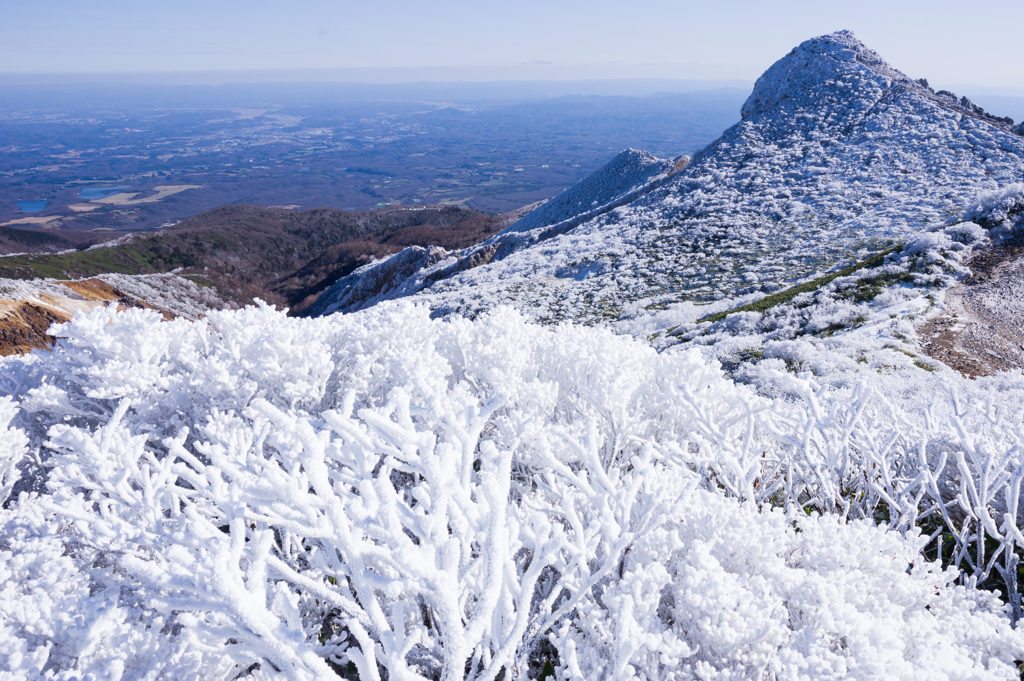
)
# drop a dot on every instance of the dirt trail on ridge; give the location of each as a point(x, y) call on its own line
point(982, 330)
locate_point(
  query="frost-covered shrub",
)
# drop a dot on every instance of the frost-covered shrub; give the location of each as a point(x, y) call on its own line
point(994, 209)
point(13, 447)
point(383, 494)
point(931, 260)
point(965, 232)
point(724, 591)
point(63, 614)
point(175, 372)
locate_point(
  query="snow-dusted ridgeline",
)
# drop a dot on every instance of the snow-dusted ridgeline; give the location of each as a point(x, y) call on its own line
point(629, 175)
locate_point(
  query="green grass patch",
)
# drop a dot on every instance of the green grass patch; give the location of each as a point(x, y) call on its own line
point(908, 353)
point(787, 295)
point(121, 259)
point(869, 288)
point(199, 280)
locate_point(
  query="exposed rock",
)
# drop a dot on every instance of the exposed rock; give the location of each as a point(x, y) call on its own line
point(28, 308)
point(23, 327)
point(680, 164)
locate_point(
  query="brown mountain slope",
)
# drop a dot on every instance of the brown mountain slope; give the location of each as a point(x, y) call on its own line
point(282, 256)
point(301, 287)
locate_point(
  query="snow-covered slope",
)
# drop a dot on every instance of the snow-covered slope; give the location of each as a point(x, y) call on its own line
point(627, 176)
point(839, 155)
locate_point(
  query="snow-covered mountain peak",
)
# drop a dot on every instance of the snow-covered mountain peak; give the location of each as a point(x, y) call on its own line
point(841, 73)
point(838, 156)
point(821, 66)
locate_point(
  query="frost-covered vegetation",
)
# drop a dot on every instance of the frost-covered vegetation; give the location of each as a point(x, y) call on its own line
point(738, 486)
point(867, 295)
point(383, 495)
point(625, 178)
point(864, 318)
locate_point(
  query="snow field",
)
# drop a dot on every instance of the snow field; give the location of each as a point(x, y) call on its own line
point(387, 494)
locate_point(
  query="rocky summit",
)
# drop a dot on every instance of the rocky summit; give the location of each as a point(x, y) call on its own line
point(838, 156)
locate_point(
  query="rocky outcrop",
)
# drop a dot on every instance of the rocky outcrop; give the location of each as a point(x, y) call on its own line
point(29, 308)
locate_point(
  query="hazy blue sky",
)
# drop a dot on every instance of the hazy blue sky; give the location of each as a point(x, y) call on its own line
point(946, 41)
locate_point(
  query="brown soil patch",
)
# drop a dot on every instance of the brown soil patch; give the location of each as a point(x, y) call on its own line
point(93, 289)
point(23, 324)
point(23, 327)
point(99, 290)
point(982, 330)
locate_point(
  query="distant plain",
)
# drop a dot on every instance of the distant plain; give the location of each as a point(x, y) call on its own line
point(96, 154)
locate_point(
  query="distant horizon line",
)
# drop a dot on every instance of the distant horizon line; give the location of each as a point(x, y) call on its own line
point(520, 87)
point(226, 77)
point(314, 76)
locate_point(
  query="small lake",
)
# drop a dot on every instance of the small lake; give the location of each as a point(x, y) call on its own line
point(96, 193)
point(31, 206)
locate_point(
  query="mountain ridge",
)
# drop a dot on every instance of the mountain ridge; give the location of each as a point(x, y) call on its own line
point(843, 46)
point(280, 255)
point(838, 156)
